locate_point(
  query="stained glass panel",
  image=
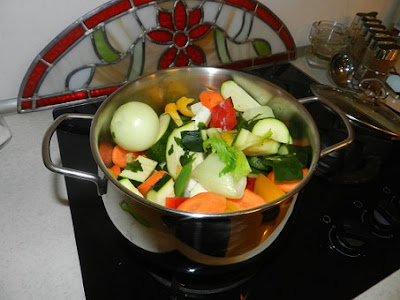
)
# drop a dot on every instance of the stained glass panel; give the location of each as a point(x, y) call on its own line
point(123, 40)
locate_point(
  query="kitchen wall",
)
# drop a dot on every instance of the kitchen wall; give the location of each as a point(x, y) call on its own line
point(26, 27)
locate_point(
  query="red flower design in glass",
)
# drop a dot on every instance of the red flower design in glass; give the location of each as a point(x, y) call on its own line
point(178, 30)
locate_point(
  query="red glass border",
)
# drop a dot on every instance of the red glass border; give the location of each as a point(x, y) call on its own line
point(248, 4)
point(104, 91)
point(107, 13)
point(266, 15)
point(33, 79)
point(64, 43)
point(49, 101)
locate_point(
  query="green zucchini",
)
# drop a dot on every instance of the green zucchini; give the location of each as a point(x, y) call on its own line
point(145, 166)
point(129, 185)
point(161, 190)
point(157, 150)
point(241, 100)
point(280, 132)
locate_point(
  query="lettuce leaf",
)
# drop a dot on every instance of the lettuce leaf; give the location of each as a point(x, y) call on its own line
point(234, 159)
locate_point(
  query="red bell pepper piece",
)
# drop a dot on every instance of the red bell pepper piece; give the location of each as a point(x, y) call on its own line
point(174, 202)
point(223, 115)
point(250, 183)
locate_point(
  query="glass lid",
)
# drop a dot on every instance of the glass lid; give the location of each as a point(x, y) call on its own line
point(361, 109)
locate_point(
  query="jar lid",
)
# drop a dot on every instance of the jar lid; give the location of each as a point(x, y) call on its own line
point(362, 110)
point(388, 51)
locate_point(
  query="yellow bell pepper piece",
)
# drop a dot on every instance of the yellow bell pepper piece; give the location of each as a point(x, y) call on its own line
point(182, 104)
point(267, 189)
point(172, 110)
point(227, 137)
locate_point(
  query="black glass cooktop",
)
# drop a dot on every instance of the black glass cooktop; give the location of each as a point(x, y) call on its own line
point(343, 237)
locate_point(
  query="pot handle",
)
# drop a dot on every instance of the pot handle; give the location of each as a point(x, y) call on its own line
point(100, 182)
point(342, 115)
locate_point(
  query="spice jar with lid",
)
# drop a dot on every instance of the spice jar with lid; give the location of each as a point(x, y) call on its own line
point(377, 63)
point(360, 42)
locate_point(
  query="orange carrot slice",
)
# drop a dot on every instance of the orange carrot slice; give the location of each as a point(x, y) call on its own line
point(286, 186)
point(207, 202)
point(115, 170)
point(248, 200)
point(105, 151)
point(210, 98)
point(146, 185)
point(119, 156)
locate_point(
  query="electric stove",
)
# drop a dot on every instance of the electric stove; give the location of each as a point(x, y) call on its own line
point(342, 238)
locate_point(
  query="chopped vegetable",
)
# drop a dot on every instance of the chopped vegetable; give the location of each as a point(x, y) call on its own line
point(150, 182)
point(210, 98)
point(105, 151)
point(192, 140)
point(182, 105)
point(223, 115)
point(115, 170)
point(172, 110)
point(287, 186)
point(183, 179)
point(204, 203)
point(248, 200)
point(174, 202)
point(209, 175)
point(242, 101)
point(267, 189)
point(285, 167)
point(235, 161)
point(119, 156)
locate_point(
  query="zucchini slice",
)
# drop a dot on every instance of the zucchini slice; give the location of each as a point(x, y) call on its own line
point(157, 150)
point(162, 189)
point(145, 165)
point(174, 150)
point(241, 100)
point(280, 132)
point(129, 185)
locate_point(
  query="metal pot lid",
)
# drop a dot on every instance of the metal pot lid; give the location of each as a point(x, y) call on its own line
point(367, 112)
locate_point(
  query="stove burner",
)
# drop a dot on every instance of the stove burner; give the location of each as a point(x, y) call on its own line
point(378, 225)
point(388, 210)
point(343, 244)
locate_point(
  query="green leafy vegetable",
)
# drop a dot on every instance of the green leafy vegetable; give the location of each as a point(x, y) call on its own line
point(171, 150)
point(186, 158)
point(134, 166)
point(234, 159)
point(286, 167)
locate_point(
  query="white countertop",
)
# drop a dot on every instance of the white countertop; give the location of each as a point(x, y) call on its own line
point(38, 254)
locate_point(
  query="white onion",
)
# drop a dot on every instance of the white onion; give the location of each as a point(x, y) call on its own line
point(134, 126)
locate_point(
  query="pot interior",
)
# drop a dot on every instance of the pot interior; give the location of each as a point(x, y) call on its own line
point(166, 86)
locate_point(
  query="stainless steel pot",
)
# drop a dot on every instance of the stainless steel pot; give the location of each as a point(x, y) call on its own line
point(218, 239)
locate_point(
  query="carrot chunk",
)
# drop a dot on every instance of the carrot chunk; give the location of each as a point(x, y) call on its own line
point(119, 156)
point(210, 98)
point(105, 151)
point(207, 202)
point(115, 170)
point(146, 185)
point(248, 200)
